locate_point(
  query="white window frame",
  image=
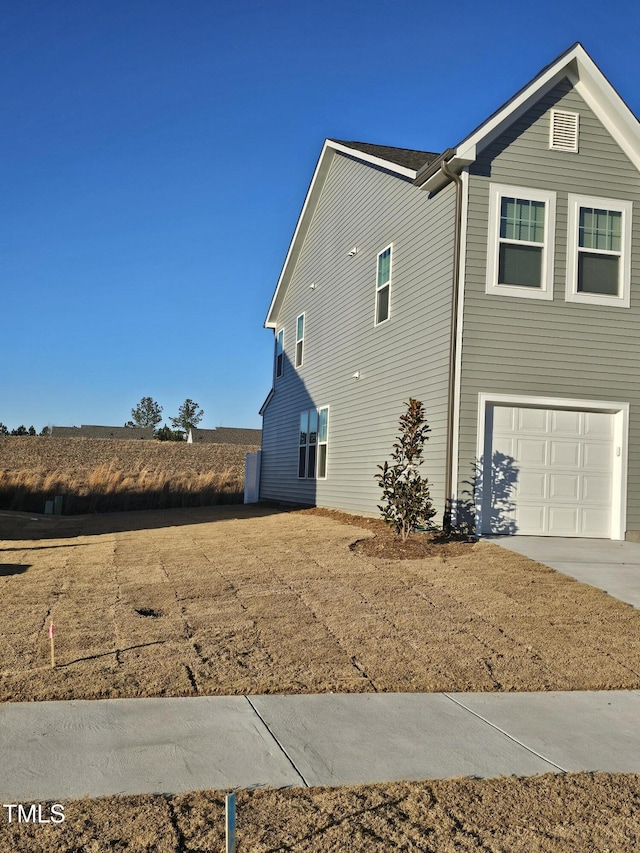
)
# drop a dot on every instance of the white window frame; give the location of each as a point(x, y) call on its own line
point(317, 444)
point(387, 284)
point(496, 193)
point(299, 360)
point(280, 373)
point(622, 300)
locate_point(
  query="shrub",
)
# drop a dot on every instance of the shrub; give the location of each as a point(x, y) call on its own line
point(407, 502)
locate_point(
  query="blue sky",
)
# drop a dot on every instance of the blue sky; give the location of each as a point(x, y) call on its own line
point(156, 155)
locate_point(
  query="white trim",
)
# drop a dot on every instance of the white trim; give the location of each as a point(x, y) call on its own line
point(377, 322)
point(496, 193)
point(455, 444)
point(575, 202)
point(589, 82)
point(621, 443)
point(319, 444)
point(297, 364)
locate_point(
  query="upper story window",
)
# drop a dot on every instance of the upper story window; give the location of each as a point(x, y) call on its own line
point(280, 353)
point(299, 340)
point(598, 251)
point(383, 285)
point(520, 250)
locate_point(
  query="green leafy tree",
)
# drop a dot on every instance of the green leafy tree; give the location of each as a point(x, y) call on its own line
point(21, 430)
point(3, 430)
point(405, 492)
point(45, 431)
point(165, 433)
point(189, 415)
point(32, 430)
point(146, 414)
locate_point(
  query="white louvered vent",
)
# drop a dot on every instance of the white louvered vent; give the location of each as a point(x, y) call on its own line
point(564, 131)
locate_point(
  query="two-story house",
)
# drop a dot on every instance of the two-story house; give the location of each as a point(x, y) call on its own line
point(498, 283)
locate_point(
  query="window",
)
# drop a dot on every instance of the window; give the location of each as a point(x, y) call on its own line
point(598, 251)
point(520, 251)
point(299, 340)
point(383, 285)
point(280, 353)
point(312, 451)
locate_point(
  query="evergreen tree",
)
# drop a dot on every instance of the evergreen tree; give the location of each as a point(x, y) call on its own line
point(188, 416)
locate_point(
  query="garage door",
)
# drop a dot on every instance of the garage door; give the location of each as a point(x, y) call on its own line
point(551, 472)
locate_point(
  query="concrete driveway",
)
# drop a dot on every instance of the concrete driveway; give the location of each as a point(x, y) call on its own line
point(613, 566)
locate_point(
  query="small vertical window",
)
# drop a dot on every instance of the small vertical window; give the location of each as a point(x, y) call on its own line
point(299, 340)
point(280, 353)
point(383, 285)
point(312, 444)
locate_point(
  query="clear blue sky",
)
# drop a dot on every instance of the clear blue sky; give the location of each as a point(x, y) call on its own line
point(156, 154)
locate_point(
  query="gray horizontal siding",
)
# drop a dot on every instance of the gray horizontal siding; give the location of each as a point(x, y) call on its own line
point(407, 356)
point(556, 348)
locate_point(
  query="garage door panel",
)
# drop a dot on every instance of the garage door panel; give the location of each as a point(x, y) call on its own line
point(564, 465)
point(532, 420)
point(563, 520)
point(565, 453)
point(564, 486)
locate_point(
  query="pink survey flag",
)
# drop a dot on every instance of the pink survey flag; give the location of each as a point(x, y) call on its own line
point(51, 630)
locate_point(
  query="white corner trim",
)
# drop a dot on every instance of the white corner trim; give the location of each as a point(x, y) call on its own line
point(621, 442)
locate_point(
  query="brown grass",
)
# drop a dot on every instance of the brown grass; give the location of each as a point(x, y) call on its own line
point(102, 475)
point(573, 813)
point(250, 600)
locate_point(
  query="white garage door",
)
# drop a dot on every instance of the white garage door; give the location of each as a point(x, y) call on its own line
point(551, 472)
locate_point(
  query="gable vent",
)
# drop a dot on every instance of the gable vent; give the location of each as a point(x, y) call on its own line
point(564, 131)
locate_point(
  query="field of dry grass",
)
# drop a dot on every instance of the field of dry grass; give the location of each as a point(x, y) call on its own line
point(105, 475)
point(573, 813)
point(235, 600)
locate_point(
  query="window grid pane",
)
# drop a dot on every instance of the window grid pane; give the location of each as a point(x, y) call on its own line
point(521, 219)
point(300, 334)
point(384, 267)
point(600, 229)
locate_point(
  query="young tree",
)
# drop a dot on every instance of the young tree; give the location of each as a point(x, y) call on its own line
point(146, 414)
point(404, 490)
point(3, 429)
point(22, 430)
point(32, 430)
point(45, 431)
point(165, 433)
point(188, 416)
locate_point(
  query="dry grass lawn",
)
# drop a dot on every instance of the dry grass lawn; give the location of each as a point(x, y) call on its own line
point(575, 813)
point(234, 600)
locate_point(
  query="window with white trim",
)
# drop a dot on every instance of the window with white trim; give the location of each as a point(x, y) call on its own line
point(299, 340)
point(280, 353)
point(598, 250)
point(313, 443)
point(383, 285)
point(521, 234)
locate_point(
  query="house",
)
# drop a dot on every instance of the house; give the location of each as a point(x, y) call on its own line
point(91, 431)
point(225, 435)
point(497, 282)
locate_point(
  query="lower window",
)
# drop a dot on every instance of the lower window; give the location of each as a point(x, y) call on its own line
point(312, 450)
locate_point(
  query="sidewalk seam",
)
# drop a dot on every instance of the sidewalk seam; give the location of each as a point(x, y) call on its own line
point(506, 734)
point(280, 746)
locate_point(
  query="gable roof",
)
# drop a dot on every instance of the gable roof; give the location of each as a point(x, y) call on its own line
point(402, 162)
point(588, 81)
point(226, 435)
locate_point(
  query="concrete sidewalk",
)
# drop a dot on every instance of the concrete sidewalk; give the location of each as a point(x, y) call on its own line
point(61, 750)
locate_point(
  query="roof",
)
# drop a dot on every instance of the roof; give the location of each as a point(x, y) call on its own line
point(588, 81)
point(408, 157)
point(226, 435)
point(90, 431)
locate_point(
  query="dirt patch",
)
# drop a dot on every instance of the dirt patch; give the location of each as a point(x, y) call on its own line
point(257, 601)
point(573, 813)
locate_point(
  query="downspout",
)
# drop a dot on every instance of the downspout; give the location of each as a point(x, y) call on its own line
point(453, 344)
